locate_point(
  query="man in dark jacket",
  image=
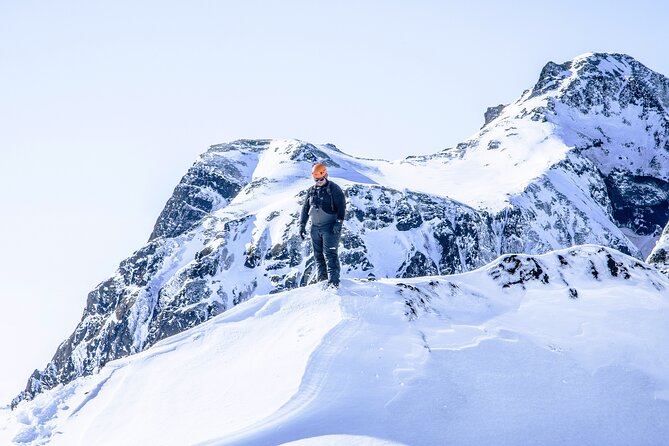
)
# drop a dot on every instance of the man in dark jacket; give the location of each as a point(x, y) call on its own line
point(326, 205)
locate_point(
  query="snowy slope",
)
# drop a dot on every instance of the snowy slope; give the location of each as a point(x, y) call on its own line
point(562, 348)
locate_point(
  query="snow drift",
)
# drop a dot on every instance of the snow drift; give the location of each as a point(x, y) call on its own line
point(556, 349)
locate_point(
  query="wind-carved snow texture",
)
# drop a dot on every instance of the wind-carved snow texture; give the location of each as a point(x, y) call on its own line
point(581, 158)
point(552, 349)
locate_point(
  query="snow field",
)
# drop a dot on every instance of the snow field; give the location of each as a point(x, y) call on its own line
point(458, 359)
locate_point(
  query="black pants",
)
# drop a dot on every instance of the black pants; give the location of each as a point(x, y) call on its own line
point(326, 247)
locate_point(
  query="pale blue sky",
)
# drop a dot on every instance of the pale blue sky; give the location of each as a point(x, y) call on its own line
point(104, 105)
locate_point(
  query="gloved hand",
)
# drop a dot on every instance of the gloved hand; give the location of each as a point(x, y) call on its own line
point(336, 229)
point(303, 232)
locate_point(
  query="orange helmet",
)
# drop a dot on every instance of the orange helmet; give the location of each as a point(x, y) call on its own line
point(319, 171)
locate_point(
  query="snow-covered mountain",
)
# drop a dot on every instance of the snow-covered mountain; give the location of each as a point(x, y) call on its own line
point(557, 349)
point(582, 157)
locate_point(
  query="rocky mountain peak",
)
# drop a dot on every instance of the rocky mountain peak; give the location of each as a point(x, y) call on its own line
point(604, 83)
point(613, 111)
point(220, 173)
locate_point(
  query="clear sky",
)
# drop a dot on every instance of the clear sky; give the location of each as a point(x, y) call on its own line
point(105, 105)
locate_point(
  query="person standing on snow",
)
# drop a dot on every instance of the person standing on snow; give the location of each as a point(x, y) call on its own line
point(326, 205)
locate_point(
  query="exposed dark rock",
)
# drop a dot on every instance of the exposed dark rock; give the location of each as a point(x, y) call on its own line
point(512, 270)
point(594, 271)
point(203, 189)
point(418, 265)
point(550, 77)
point(492, 113)
point(617, 268)
point(415, 300)
point(640, 203)
point(659, 256)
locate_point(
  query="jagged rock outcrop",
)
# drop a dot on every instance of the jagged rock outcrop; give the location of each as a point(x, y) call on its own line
point(659, 256)
point(549, 171)
point(491, 113)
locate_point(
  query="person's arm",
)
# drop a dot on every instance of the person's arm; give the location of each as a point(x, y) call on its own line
point(340, 202)
point(305, 211)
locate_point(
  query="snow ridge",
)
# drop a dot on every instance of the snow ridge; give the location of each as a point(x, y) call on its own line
point(492, 356)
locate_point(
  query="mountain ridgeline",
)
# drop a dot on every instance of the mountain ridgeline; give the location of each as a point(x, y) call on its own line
point(580, 158)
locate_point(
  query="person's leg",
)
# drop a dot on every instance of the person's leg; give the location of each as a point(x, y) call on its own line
point(331, 248)
point(317, 242)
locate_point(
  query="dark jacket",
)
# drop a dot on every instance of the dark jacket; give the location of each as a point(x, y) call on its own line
point(328, 198)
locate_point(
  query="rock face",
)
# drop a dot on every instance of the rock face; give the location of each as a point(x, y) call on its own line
point(491, 113)
point(581, 158)
point(660, 254)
